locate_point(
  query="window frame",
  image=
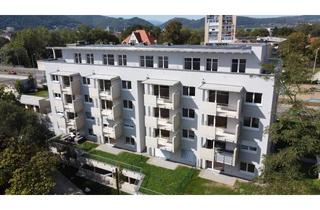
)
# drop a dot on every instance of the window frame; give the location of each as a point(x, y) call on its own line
point(251, 122)
point(127, 104)
point(188, 90)
point(214, 64)
point(126, 85)
point(189, 113)
point(190, 134)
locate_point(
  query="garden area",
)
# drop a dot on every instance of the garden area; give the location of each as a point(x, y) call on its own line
point(158, 180)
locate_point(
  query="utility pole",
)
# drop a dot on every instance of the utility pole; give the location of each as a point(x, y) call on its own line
point(117, 181)
point(315, 60)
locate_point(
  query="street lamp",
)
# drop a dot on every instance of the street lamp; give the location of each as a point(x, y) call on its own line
point(315, 60)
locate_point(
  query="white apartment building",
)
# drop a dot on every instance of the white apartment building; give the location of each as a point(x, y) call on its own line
point(205, 106)
point(220, 29)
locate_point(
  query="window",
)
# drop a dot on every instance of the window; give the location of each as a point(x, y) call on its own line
point(108, 59)
point(251, 122)
point(254, 98)
point(57, 95)
point(146, 61)
point(192, 63)
point(128, 123)
point(90, 131)
point(222, 98)
point(127, 104)
point(54, 78)
point(221, 122)
point(126, 84)
point(77, 58)
point(122, 60)
point(212, 96)
point(209, 144)
point(85, 81)
point(161, 133)
point(89, 116)
point(130, 140)
point(189, 91)
point(210, 120)
point(238, 65)
point(247, 167)
point(212, 64)
point(87, 99)
point(90, 59)
point(189, 134)
point(105, 104)
point(188, 113)
point(161, 112)
point(248, 148)
point(68, 98)
point(208, 164)
point(104, 85)
point(163, 62)
point(161, 91)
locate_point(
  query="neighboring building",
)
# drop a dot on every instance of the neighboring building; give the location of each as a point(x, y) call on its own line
point(205, 106)
point(139, 37)
point(220, 29)
point(10, 80)
point(36, 103)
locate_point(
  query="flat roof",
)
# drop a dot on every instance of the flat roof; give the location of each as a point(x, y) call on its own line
point(160, 82)
point(103, 76)
point(64, 73)
point(31, 100)
point(229, 48)
point(228, 88)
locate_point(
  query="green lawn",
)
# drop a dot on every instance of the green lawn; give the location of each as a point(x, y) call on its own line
point(87, 146)
point(41, 93)
point(158, 180)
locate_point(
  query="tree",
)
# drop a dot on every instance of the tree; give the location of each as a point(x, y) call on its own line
point(172, 33)
point(3, 41)
point(296, 42)
point(36, 177)
point(259, 32)
point(22, 137)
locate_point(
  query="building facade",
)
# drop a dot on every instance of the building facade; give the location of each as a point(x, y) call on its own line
point(205, 106)
point(220, 29)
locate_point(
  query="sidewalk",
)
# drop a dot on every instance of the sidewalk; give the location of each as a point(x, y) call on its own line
point(162, 163)
point(220, 178)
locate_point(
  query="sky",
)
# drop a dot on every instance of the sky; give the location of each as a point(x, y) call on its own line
point(164, 18)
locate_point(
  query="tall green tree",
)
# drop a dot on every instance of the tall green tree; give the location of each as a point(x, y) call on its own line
point(172, 33)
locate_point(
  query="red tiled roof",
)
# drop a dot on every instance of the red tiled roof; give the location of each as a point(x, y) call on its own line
point(142, 37)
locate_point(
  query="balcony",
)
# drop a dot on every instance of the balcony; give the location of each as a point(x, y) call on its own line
point(229, 135)
point(162, 93)
point(68, 82)
point(114, 131)
point(208, 131)
point(224, 157)
point(112, 114)
point(206, 153)
point(170, 144)
point(171, 124)
point(106, 87)
point(75, 106)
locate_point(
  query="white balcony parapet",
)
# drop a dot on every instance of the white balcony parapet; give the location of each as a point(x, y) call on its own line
point(224, 157)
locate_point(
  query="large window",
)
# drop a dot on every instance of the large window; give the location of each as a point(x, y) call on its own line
point(146, 61)
point(254, 98)
point(238, 65)
point(188, 113)
point(54, 78)
point(250, 149)
point(212, 64)
point(192, 63)
point(221, 122)
point(104, 85)
point(161, 133)
point(108, 59)
point(247, 167)
point(126, 84)
point(189, 91)
point(85, 81)
point(77, 58)
point(161, 112)
point(222, 98)
point(106, 104)
point(251, 122)
point(130, 140)
point(90, 59)
point(210, 121)
point(127, 104)
point(189, 134)
point(161, 91)
point(122, 60)
point(87, 99)
point(163, 62)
